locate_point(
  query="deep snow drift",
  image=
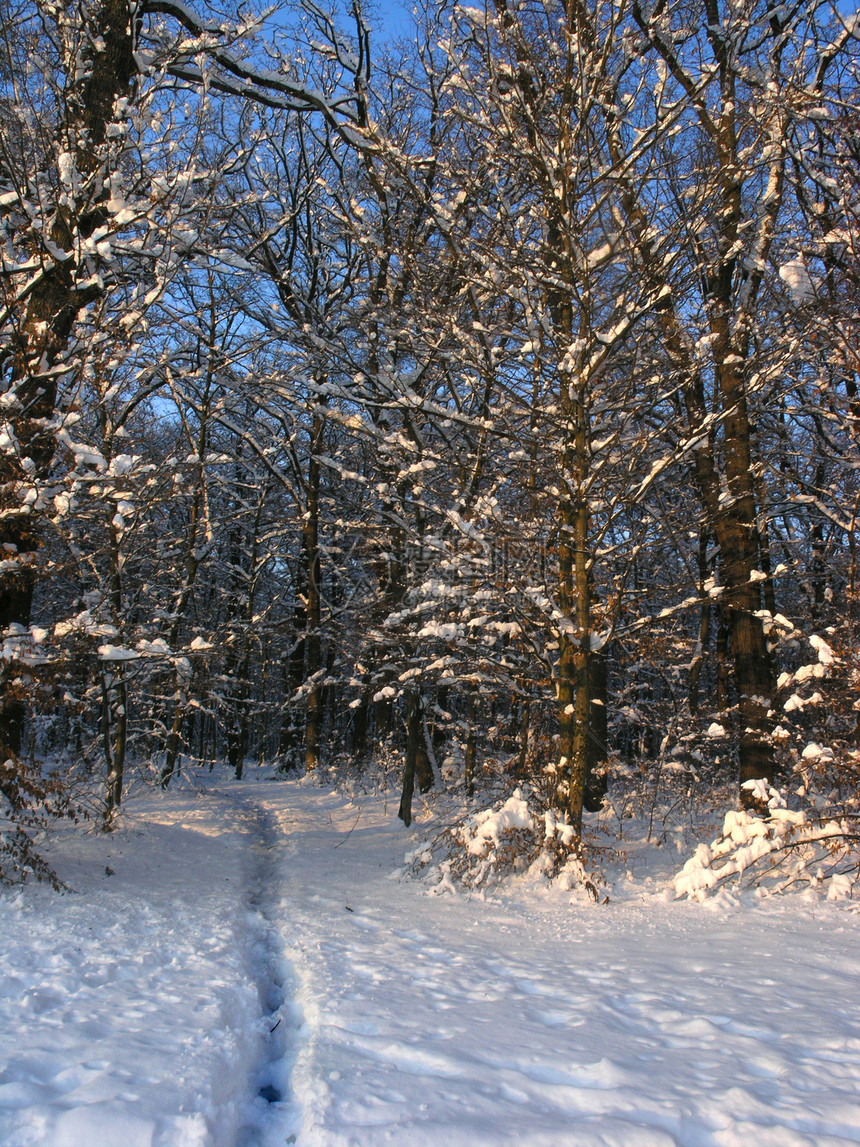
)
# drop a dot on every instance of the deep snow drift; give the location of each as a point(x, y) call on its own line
point(250, 972)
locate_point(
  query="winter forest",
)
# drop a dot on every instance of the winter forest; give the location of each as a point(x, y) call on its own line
point(458, 431)
point(485, 402)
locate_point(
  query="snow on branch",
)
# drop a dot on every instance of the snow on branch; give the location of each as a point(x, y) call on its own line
point(510, 837)
point(782, 849)
point(271, 88)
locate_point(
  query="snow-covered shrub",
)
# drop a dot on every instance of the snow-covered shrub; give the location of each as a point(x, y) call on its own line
point(508, 838)
point(353, 776)
point(782, 849)
point(29, 802)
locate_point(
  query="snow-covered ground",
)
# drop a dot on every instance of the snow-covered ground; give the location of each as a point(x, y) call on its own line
point(250, 972)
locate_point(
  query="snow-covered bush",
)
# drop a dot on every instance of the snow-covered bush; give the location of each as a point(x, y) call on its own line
point(29, 802)
point(508, 838)
point(783, 849)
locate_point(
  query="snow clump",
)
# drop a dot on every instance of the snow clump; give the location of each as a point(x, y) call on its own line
point(511, 838)
point(783, 849)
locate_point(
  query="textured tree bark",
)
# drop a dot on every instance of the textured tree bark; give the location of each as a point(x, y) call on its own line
point(753, 664)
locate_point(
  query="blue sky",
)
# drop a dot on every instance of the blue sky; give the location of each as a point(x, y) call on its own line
point(390, 17)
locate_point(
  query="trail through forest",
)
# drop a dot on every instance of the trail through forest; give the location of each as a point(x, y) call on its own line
point(254, 971)
point(269, 969)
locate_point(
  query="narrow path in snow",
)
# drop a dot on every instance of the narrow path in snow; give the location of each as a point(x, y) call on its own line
point(130, 1009)
point(272, 1116)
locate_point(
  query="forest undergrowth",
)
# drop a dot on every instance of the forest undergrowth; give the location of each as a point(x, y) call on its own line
point(802, 834)
point(693, 839)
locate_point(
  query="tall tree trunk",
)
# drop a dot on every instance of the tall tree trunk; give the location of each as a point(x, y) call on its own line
point(423, 766)
point(471, 744)
point(237, 740)
point(292, 732)
point(115, 718)
point(417, 762)
point(525, 732)
point(438, 725)
point(596, 781)
point(698, 660)
point(383, 720)
point(313, 720)
point(360, 715)
point(119, 711)
point(736, 528)
point(174, 739)
point(574, 590)
point(722, 698)
point(730, 281)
